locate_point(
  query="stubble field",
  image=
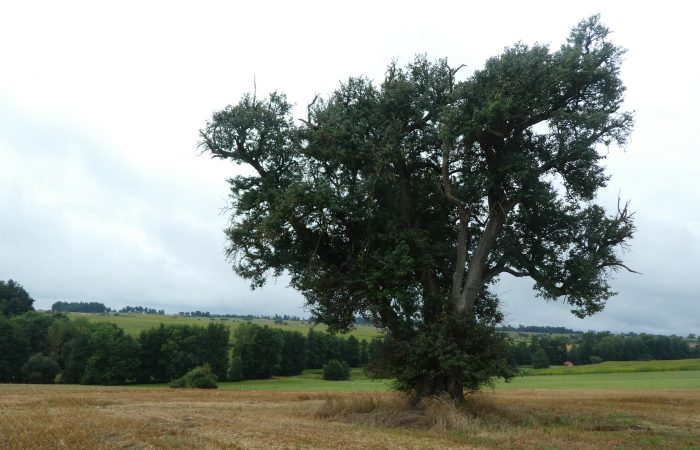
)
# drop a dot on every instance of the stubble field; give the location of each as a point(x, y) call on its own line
point(82, 417)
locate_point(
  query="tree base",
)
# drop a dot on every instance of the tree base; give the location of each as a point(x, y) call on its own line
point(449, 387)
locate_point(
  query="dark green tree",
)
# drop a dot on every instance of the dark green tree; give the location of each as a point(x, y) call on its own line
point(235, 372)
point(404, 202)
point(522, 354)
point(554, 346)
point(332, 346)
point(112, 356)
point(214, 348)
point(351, 351)
point(259, 349)
point(314, 350)
point(335, 370)
point(153, 359)
point(540, 360)
point(14, 300)
point(293, 353)
point(36, 328)
point(60, 344)
point(611, 348)
point(14, 350)
point(40, 368)
point(168, 352)
point(364, 352)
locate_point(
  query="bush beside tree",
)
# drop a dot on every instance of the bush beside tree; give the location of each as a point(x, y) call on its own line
point(197, 378)
point(336, 370)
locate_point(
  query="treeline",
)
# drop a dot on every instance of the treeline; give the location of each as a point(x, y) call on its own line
point(276, 317)
point(261, 351)
point(44, 348)
point(538, 329)
point(594, 347)
point(81, 307)
point(141, 310)
point(100, 308)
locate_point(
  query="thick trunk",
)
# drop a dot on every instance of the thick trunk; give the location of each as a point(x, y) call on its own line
point(449, 386)
point(477, 265)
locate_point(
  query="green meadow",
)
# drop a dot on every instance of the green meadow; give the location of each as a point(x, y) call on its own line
point(686, 379)
point(621, 367)
point(312, 381)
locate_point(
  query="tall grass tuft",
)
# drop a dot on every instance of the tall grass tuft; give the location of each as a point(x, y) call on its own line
point(436, 413)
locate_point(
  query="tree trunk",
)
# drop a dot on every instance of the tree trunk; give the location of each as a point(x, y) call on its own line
point(474, 282)
point(449, 386)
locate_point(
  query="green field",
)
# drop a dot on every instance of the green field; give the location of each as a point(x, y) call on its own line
point(620, 367)
point(311, 381)
point(133, 324)
point(689, 379)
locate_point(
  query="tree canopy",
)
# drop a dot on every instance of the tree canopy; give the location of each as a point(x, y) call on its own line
point(404, 202)
point(14, 299)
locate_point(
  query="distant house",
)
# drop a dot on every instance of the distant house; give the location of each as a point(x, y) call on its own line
point(568, 364)
point(692, 345)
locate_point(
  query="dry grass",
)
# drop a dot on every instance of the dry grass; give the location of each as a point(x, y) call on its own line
point(52, 417)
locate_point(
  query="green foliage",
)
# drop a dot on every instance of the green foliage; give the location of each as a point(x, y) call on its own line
point(168, 352)
point(540, 360)
point(14, 350)
point(259, 349)
point(197, 378)
point(20, 337)
point(40, 369)
point(403, 202)
point(214, 348)
point(351, 351)
point(14, 299)
point(553, 346)
point(82, 307)
point(293, 353)
point(235, 373)
point(315, 350)
point(336, 370)
point(456, 354)
point(522, 354)
point(363, 354)
point(36, 327)
point(102, 354)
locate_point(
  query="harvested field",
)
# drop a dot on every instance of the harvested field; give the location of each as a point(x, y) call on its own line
point(40, 417)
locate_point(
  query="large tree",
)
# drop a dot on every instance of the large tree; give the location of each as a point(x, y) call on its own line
point(404, 202)
point(14, 299)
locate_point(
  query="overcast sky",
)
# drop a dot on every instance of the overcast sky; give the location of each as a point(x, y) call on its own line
point(103, 196)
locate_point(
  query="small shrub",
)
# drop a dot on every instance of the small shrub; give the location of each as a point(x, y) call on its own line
point(595, 359)
point(336, 370)
point(198, 378)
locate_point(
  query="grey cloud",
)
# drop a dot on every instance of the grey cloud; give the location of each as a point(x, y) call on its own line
point(132, 238)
